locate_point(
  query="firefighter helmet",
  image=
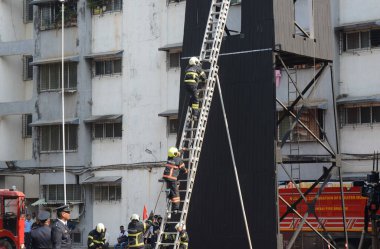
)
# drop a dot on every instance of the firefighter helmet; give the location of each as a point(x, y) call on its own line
point(100, 228)
point(135, 217)
point(172, 152)
point(193, 61)
point(180, 226)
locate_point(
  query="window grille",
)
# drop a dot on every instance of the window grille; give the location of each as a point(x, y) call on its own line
point(174, 59)
point(26, 129)
point(108, 67)
point(28, 69)
point(357, 115)
point(100, 7)
point(310, 117)
point(50, 76)
point(51, 138)
point(54, 193)
point(28, 11)
point(111, 192)
point(107, 130)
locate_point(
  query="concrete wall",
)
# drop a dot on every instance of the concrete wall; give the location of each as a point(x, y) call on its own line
point(139, 187)
point(359, 75)
point(358, 11)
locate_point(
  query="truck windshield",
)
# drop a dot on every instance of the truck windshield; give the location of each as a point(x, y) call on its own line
point(10, 214)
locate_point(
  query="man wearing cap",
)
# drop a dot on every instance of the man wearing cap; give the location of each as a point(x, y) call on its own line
point(60, 232)
point(41, 236)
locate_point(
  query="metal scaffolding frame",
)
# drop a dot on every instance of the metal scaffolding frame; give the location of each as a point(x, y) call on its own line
point(334, 157)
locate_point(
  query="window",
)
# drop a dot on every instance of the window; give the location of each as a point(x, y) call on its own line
point(174, 59)
point(354, 115)
point(28, 69)
point(51, 138)
point(26, 129)
point(102, 6)
point(50, 76)
point(50, 15)
point(110, 192)
point(107, 130)
point(28, 11)
point(76, 237)
point(107, 67)
point(55, 193)
point(173, 125)
point(305, 25)
point(312, 118)
point(361, 39)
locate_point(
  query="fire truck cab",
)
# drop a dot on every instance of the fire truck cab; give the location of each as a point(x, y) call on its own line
point(12, 219)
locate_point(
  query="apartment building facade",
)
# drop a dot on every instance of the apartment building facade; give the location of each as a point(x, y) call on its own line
point(121, 83)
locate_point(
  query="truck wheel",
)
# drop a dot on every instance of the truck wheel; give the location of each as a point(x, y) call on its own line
point(5, 244)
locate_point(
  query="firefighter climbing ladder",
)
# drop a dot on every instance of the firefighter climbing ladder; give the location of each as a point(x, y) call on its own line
point(194, 131)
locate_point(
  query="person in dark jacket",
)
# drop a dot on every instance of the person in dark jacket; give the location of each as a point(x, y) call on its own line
point(136, 230)
point(172, 168)
point(193, 76)
point(183, 236)
point(60, 232)
point(97, 237)
point(41, 236)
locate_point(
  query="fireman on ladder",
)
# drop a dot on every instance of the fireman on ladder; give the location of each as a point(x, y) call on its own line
point(194, 75)
point(171, 172)
point(136, 230)
point(183, 237)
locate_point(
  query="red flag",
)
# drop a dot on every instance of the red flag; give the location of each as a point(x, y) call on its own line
point(145, 213)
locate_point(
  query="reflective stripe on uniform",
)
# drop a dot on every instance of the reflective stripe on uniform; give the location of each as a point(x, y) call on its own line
point(136, 238)
point(195, 106)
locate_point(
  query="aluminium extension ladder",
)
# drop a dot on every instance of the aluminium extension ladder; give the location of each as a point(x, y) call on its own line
point(194, 131)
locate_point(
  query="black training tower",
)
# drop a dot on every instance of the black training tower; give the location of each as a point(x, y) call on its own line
point(245, 68)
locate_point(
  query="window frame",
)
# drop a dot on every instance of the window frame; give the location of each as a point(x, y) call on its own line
point(104, 61)
point(309, 121)
point(117, 194)
point(360, 42)
point(54, 20)
point(27, 71)
point(27, 131)
point(169, 54)
point(70, 130)
point(104, 130)
point(51, 69)
point(28, 12)
point(99, 9)
point(169, 126)
point(343, 115)
point(48, 191)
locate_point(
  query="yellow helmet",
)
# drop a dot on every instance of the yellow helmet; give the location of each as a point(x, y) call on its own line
point(172, 152)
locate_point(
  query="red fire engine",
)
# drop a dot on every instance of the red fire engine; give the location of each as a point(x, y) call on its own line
point(328, 209)
point(12, 219)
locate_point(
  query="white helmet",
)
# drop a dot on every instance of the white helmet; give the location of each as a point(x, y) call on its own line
point(180, 225)
point(100, 228)
point(193, 61)
point(135, 217)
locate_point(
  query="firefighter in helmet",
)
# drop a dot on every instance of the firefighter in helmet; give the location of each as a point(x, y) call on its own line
point(97, 237)
point(136, 230)
point(172, 168)
point(183, 236)
point(194, 75)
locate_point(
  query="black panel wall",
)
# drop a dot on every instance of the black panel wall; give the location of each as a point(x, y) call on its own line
point(215, 219)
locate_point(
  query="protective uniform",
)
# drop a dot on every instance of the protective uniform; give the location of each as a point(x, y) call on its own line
point(136, 230)
point(97, 237)
point(183, 240)
point(171, 172)
point(41, 236)
point(193, 75)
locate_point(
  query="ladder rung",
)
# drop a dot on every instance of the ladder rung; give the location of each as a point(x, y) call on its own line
point(218, 4)
point(215, 13)
point(165, 244)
